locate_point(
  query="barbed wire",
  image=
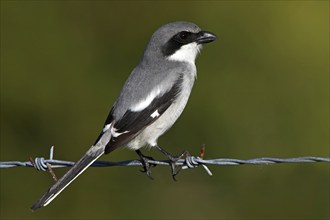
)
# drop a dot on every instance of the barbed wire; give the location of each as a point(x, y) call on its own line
point(43, 164)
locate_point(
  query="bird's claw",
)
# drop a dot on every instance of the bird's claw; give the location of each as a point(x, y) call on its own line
point(146, 165)
point(172, 160)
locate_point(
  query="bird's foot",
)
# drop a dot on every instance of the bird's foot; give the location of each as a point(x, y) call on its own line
point(145, 163)
point(174, 168)
point(173, 159)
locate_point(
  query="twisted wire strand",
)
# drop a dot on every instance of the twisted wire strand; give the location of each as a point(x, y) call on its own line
point(42, 164)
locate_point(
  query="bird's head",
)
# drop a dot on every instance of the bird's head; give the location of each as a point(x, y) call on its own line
point(178, 41)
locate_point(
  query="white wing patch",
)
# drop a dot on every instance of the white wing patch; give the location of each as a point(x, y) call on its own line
point(115, 134)
point(146, 102)
point(155, 114)
point(106, 127)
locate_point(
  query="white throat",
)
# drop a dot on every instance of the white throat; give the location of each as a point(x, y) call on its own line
point(187, 53)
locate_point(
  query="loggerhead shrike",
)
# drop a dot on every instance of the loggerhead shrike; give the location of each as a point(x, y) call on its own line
point(151, 100)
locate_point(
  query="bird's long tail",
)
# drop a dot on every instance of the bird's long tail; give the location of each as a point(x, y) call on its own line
point(79, 167)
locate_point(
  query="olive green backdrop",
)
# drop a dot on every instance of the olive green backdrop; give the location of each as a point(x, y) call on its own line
point(262, 90)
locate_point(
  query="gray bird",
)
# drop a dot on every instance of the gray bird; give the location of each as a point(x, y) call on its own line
point(151, 100)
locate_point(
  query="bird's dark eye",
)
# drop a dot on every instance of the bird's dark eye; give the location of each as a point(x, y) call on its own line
point(183, 37)
point(177, 41)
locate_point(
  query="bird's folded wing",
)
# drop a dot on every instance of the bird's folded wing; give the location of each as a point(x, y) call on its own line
point(133, 122)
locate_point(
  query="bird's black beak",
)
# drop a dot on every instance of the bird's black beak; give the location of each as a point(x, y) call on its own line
point(205, 37)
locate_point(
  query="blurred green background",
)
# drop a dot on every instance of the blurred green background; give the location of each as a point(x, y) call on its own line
point(262, 90)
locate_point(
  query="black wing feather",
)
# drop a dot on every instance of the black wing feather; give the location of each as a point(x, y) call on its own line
point(133, 123)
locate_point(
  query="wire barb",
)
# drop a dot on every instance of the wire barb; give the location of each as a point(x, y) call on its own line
point(43, 164)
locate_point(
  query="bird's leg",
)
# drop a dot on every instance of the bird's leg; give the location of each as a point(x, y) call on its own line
point(145, 163)
point(175, 169)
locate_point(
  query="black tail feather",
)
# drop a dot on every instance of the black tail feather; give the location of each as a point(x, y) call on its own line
point(67, 178)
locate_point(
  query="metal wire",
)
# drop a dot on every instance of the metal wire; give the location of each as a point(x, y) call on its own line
point(41, 163)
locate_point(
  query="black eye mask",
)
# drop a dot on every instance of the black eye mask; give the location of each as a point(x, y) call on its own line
point(177, 41)
point(185, 37)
